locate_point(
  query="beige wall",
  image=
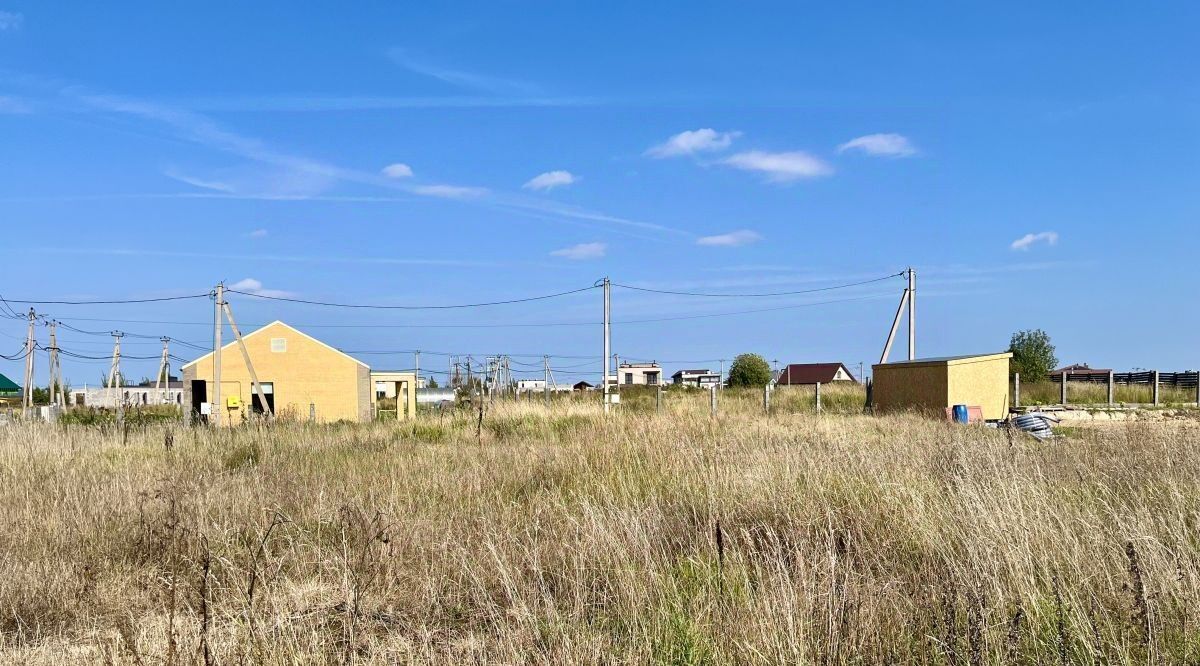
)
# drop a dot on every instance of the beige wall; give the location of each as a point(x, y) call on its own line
point(306, 372)
point(984, 383)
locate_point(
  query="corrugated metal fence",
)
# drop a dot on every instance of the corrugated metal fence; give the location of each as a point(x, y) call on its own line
point(1177, 379)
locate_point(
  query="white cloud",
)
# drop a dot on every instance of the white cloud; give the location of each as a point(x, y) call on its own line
point(780, 167)
point(692, 142)
point(1028, 240)
point(582, 251)
point(397, 170)
point(215, 185)
point(252, 286)
point(463, 79)
point(731, 239)
point(11, 20)
point(258, 233)
point(883, 145)
point(450, 191)
point(550, 180)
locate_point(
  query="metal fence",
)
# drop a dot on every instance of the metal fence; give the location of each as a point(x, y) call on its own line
point(1176, 379)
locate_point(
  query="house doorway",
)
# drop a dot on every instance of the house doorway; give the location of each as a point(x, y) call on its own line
point(268, 389)
point(199, 397)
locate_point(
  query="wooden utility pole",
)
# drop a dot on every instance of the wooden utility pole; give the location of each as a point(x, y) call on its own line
point(216, 410)
point(258, 389)
point(114, 378)
point(27, 389)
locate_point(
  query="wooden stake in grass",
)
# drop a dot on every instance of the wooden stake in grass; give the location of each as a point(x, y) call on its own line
point(1141, 610)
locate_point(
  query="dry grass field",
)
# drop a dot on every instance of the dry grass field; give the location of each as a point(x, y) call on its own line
point(563, 537)
point(1085, 393)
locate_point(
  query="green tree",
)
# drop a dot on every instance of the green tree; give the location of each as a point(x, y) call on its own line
point(749, 370)
point(1033, 354)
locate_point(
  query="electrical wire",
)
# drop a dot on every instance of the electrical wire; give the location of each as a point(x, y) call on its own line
point(112, 302)
point(410, 307)
point(775, 293)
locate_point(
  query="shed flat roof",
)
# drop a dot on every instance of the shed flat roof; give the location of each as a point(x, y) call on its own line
point(947, 360)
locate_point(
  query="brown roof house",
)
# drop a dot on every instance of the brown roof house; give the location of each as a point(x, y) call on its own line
point(796, 374)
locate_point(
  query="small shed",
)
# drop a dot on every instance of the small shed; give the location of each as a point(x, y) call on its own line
point(933, 384)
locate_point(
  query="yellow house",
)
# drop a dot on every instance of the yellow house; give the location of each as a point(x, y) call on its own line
point(302, 378)
point(933, 384)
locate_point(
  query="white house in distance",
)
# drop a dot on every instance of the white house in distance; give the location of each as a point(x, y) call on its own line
point(539, 386)
point(144, 394)
point(697, 378)
point(639, 374)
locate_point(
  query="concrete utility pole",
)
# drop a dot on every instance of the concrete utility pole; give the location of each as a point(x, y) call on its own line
point(887, 346)
point(114, 377)
point(912, 314)
point(27, 390)
point(216, 411)
point(607, 341)
point(546, 379)
point(164, 372)
point(57, 397)
point(258, 389)
point(417, 368)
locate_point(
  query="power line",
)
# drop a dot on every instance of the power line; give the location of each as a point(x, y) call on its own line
point(111, 302)
point(775, 293)
point(409, 307)
point(501, 325)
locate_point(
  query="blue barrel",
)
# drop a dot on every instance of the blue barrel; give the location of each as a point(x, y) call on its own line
point(960, 414)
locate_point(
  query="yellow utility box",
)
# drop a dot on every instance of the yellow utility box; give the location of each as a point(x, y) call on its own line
point(933, 384)
point(233, 402)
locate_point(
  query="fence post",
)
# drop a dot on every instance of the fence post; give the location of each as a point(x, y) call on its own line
point(1198, 388)
point(1063, 390)
point(1111, 388)
point(817, 397)
point(712, 400)
point(1016, 389)
point(1155, 389)
point(658, 400)
point(767, 399)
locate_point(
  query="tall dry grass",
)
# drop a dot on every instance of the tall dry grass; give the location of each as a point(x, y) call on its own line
point(561, 536)
point(1087, 393)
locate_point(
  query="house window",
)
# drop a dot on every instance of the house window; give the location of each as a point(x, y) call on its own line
point(278, 345)
point(652, 378)
point(629, 378)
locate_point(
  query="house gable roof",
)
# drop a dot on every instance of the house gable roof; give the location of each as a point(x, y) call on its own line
point(7, 384)
point(273, 324)
point(811, 373)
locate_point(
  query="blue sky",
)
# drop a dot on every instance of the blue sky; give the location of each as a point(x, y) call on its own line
point(1037, 166)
